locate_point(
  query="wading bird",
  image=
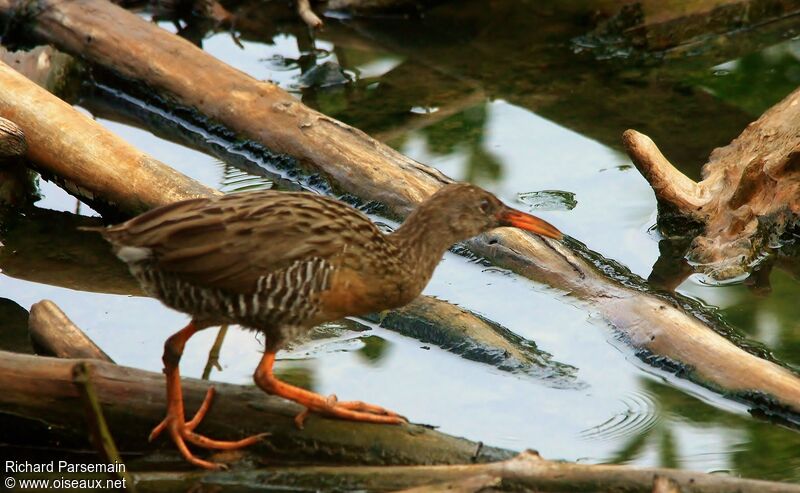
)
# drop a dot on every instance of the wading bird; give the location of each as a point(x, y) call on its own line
point(284, 262)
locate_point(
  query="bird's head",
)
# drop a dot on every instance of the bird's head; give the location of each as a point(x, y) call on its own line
point(469, 210)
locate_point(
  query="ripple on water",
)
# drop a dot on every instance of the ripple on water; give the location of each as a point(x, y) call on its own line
point(640, 414)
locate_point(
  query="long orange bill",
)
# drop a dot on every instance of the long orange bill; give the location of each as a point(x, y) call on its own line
point(519, 219)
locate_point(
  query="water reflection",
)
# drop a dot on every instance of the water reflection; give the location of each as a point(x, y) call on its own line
point(688, 433)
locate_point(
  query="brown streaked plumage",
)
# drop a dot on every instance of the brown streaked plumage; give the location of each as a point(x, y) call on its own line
point(283, 262)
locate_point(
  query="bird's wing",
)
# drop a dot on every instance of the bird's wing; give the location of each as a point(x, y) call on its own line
point(232, 241)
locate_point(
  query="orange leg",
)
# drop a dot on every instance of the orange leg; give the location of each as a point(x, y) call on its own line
point(179, 430)
point(351, 410)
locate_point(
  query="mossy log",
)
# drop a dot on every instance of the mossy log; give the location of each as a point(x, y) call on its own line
point(749, 196)
point(41, 389)
point(351, 161)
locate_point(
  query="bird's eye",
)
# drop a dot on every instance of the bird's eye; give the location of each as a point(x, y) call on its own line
point(485, 205)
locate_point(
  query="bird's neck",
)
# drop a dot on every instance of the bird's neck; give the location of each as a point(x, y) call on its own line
point(422, 239)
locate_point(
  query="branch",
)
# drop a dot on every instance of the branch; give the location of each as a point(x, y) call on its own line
point(308, 15)
point(672, 188)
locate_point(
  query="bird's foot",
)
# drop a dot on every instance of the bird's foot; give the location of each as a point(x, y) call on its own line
point(182, 432)
point(349, 410)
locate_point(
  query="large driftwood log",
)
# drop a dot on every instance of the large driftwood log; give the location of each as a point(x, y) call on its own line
point(749, 196)
point(41, 389)
point(353, 162)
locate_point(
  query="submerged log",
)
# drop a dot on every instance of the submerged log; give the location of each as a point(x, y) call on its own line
point(353, 162)
point(133, 401)
point(749, 196)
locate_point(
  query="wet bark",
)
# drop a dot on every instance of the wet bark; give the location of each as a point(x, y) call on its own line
point(749, 197)
point(355, 163)
point(133, 402)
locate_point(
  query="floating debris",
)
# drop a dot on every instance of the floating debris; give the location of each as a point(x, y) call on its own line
point(548, 200)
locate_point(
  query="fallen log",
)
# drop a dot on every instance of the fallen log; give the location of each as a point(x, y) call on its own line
point(70, 158)
point(301, 138)
point(41, 389)
point(46, 246)
point(527, 471)
point(54, 333)
point(749, 197)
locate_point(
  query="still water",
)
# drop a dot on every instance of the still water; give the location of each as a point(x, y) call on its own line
point(511, 102)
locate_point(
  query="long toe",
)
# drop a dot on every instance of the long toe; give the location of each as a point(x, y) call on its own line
point(368, 408)
point(191, 425)
point(175, 433)
point(205, 442)
point(365, 417)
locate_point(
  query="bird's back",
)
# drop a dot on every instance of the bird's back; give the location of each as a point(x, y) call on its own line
point(261, 258)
